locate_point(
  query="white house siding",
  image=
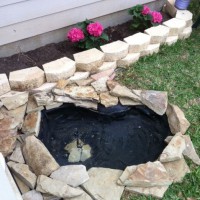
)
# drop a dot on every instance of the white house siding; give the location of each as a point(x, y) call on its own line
point(20, 19)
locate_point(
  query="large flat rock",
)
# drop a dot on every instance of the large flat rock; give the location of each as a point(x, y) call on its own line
point(137, 42)
point(176, 119)
point(41, 162)
point(4, 84)
point(115, 50)
point(56, 188)
point(73, 175)
point(102, 184)
point(14, 99)
point(26, 79)
point(185, 15)
point(128, 60)
point(32, 195)
point(62, 68)
point(89, 60)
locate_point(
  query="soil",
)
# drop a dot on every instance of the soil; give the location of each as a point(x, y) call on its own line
point(53, 51)
point(119, 137)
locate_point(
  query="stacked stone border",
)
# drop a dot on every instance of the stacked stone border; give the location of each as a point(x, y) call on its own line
point(86, 82)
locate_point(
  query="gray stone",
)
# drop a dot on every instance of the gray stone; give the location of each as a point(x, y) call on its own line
point(14, 99)
point(86, 153)
point(108, 100)
point(23, 172)
point(43, 98)
point(102, 184)
point(137, 42)
point(89, 60)
point(157, 192)
point(4, 84)
point(62, 83)
point(177, 169)
point(73, 175)
point(115, 50)
point(100, 85)
point(75, 155)
point(17, 155)
point(176, 119)
point(62, 68)
point(1, 115)
point(84, 196)
point(85, 82)
point(56, 188)
point(32, 195)
point(150, 174)
point(31, 123)
point(185, 15)
point(41, 162)
point(186, 33)
point(155, 100)
point(26, 79)
point(173, 151)
point(50, 197)
point(53, 105)
point(189, 150)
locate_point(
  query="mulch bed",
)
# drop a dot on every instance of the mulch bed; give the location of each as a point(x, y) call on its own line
point(53, 51)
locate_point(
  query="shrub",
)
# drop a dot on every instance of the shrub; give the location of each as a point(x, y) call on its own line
point(87, 35)
point(143, 17)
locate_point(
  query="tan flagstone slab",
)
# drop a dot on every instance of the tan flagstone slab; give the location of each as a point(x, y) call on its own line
point(17, 155)
point(123, 91)
point(41, 162)
point(21, 185)
point(4, 84)
point(128, 102)
point(85, 82)
point(150, 174)
point(43, 98)
point(155, 100)
point(58, 69)
point(31, 123)
point(102, 74)
point(56, 188)
point(100, 85)
point(14, 99)
point(32, 195)
point(102, 184)
point(89, 60)
point(173, 151)
point(32, 105)
point(190, 151)
point(108, 100)
point(115, 50)
point(81, 92)
point(186, 33)
point(26, 79)
point(177, 169)
point(171, 40)
point(137, 42)
point(151, 49)
point(176, 119)
point(46, 87)
point(185, 15)
point(79, 76)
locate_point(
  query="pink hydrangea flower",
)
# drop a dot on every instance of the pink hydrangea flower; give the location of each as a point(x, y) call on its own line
point(156, 17)
point(95, 29)
point(146, 10)
point(75, 35)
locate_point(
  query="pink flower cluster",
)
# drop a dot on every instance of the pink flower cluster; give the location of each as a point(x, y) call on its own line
point(156, 16)
point(146, 10)
point(75, 35)
point(95, 29)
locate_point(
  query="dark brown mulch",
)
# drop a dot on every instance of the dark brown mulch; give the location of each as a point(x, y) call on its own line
point(51, 52)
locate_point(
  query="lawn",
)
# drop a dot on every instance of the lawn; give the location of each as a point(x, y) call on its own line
point(175, 69)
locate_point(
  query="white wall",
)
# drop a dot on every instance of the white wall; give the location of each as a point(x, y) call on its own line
point(21, 19)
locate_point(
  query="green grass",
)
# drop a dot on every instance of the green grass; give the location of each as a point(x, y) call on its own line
point(175, 69)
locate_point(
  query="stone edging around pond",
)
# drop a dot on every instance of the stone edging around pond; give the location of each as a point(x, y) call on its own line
point(21, 112)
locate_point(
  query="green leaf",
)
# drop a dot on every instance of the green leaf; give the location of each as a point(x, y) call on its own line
point(89, 44)
point(104, 36)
